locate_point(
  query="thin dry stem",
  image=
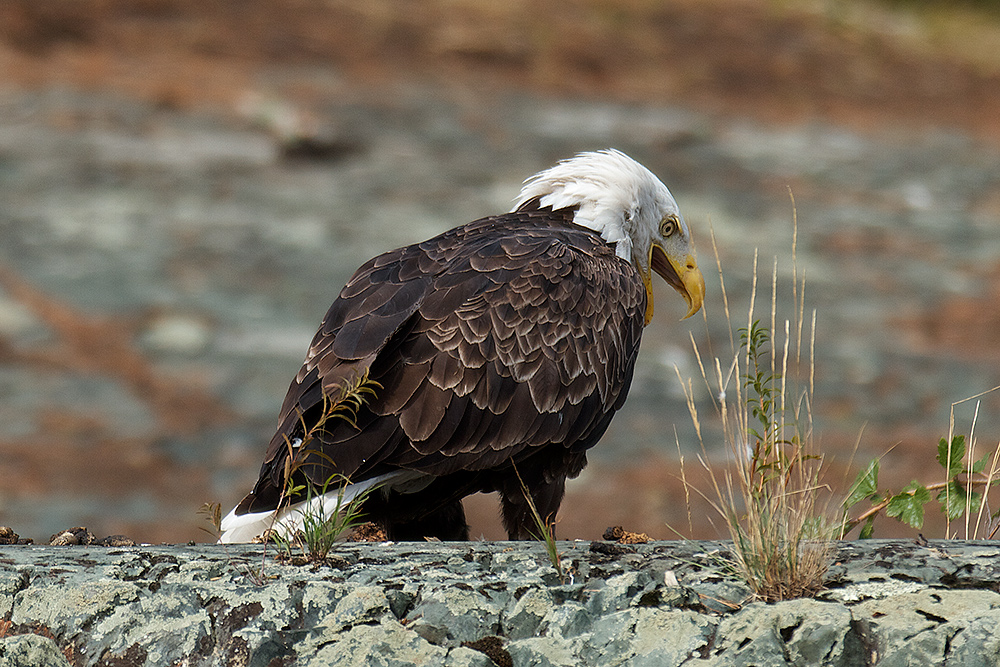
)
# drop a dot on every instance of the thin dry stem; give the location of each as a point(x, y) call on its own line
point(990, 480)
point(722, 284)
point(774, 312)
point(971, 457)
point(770, 496)
point(797, 294)
point(969, 461)
point(684, 483)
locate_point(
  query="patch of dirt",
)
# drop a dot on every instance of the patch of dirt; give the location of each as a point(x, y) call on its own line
point(8, 536)
point(493, 648)
point(368, 532)
point(81, 536)
point(622, 536)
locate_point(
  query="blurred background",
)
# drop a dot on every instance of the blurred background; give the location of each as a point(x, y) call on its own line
point(185, 186)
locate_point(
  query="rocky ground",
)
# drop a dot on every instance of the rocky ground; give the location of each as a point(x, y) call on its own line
point(185, 188)
point(484, 604)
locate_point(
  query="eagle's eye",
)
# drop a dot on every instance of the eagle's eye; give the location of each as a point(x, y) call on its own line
point(668, 226)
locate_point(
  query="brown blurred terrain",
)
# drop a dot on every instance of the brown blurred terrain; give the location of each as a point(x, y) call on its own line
point(779, 62)
point(133, 72)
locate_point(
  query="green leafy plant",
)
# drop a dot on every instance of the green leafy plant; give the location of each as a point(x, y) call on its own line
point(960, 494)
point(775, 537)
point(775, 443)
point(322, 527)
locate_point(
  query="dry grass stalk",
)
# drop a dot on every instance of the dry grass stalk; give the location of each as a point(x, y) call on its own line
point(772, 494)
point(985, 525)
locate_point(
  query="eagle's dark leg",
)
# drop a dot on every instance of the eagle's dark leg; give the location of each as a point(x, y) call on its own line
point(395, 513)
point(447, 524)
point(518, 518)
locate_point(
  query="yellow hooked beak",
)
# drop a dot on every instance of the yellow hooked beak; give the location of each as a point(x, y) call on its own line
point(686, 278)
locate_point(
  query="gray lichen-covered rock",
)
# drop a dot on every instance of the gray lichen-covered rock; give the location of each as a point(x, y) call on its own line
point(457, 613)
point(963, 625)
point(31, 651)
point(649, 637)
point(387, 644)
point(526, 615)
point(483, 604)
point(794, 632)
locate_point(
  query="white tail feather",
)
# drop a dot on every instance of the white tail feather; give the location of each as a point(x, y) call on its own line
point(245, 527)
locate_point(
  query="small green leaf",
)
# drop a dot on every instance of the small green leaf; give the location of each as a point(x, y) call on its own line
point(868, 528)
point(952, 461)
point(975, 500)
point(908, 504)
point(953, 500)
point(865, 485)
point(980, 465)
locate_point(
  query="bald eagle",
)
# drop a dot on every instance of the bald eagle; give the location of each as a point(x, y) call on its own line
point(501, 350)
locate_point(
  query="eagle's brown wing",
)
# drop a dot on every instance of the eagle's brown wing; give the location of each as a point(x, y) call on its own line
point(493, 340)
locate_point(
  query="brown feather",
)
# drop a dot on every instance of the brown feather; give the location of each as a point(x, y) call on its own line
point(422, 414)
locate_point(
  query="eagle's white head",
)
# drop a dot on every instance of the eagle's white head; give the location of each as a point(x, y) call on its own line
point(628, 206)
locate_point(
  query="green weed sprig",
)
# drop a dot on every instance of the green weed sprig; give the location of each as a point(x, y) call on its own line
point(546, 530)
point(322, 528)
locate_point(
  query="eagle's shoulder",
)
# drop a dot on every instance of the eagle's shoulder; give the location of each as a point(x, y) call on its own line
point(388, 289)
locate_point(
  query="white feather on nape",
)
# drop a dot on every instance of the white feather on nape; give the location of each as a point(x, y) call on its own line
point(245, 527)
point(607, 186)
